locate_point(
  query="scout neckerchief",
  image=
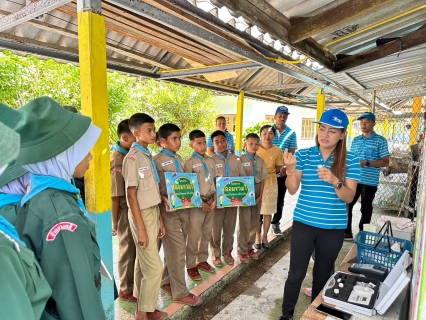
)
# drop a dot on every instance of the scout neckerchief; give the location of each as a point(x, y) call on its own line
point(119, 148)
point(40, 183)
point(9, 198)
point(175, 158)
point(226, 159)
point(206, 169)
point(146, 151)
point(254, 161)
point(9, 231)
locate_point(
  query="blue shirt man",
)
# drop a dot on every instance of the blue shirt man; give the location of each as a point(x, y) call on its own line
point(285, 138)
point(373, 152)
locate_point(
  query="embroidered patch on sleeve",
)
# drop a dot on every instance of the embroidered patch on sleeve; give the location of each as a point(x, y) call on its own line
point(51, 235)
point(131, 158)
point(116, 170)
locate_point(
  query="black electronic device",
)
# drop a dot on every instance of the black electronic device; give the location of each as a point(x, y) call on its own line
point(369, 270)
point(334, 312)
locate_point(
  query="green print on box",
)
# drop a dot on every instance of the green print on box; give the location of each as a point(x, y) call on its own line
point(182, 190)
point(235, 192)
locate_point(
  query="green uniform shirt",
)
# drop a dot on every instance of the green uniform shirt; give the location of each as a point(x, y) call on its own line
point(64, 241)
point(24, 289)
point(9, 213)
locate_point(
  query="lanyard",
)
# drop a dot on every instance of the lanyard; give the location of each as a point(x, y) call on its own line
point(146, 151)
point(175, 158)
point(254, 161)
point(206, 169)
point(226, 159)
point(119, 148)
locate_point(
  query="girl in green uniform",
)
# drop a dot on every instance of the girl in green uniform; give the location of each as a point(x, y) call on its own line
point(52, 220)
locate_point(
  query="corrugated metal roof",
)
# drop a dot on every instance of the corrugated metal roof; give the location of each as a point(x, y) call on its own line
point(140, 45)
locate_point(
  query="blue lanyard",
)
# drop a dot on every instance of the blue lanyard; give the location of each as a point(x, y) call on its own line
point(138, 146)
point(40, 183)
point(119, 148)
point(254, 161)
point(206, 169)
point(226, 159)
point(9, 230)
point(175, 158)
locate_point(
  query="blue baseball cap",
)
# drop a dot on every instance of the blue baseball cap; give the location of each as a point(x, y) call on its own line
point(334, 118)
point(368, 115)
point(282, 109)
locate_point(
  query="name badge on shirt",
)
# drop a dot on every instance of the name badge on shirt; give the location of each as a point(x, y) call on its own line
point(246, 164)
point(219, 165)
point(167, 163)
point(141, 174)
point(196, 165)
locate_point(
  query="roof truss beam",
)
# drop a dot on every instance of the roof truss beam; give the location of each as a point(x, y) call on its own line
point(29, 12)
point(171, 21)
point(332, 18)
point(409, 41)
point(279, 87)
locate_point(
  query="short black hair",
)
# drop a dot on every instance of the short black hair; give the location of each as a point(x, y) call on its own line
point(218, 133)
point(123, 127)
point(167, 129)
point(252, 136)
point(267, 126)
point(195, 134)
point(138, 120)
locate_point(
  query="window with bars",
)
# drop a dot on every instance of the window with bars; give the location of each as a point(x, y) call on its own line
point(230, 122)
point(308, 128)
point(270, 118)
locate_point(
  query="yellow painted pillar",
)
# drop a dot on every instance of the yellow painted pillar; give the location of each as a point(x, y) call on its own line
point(239, 124)
point(415, 122)
point(320, 106)
point(349, 139)
point(386, 129)
point(94, 103)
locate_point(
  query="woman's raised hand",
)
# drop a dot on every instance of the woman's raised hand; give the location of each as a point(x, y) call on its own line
point(289, 160)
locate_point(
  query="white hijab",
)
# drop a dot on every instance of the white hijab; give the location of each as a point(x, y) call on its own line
point(63, 165)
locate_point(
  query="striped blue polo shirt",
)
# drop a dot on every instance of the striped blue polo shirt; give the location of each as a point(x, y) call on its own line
point(285, 140)
point(372, 148)
point(318, 204)
point(229, 137)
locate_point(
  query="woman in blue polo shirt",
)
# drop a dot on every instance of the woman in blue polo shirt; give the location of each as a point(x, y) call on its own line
point(328, 174)
point(221, 125)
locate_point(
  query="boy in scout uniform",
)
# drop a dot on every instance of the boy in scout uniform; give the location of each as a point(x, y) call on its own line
point(52, 219)
point(143, 197)
point(21, 278)
point(249, 216)
point(120, 221)
point(224, 220)
point(200, 219)
point(175, 221)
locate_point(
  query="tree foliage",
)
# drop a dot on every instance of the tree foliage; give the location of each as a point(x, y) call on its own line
point(25, 78)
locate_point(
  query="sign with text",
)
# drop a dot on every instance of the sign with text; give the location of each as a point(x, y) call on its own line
point(235, 192)
point(182, 190)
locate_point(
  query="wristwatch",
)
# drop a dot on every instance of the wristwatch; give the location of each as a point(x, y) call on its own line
point(339, 185)
point(367, 163)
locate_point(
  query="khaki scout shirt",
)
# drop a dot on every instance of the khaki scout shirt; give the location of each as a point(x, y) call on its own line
point(117, 181)
point(235, 167)
point(261, 172)
point(165, 163)
point(138, 172)
point(194, 165)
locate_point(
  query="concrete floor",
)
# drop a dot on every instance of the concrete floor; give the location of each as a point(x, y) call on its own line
point(267, 293)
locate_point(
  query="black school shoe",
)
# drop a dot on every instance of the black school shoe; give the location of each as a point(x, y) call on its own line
point(283, 317)
point(276, 229)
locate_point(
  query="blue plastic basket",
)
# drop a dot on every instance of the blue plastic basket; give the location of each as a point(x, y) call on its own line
point(381, 255)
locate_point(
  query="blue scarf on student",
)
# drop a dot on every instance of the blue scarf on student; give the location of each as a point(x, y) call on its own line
point(254, 161)
point(9, 230)
point(226, 159)
point(175, 158)
point(119, 148)
point(9, 198)
point(40, 183)
point(206, 169)
point(146, 151)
